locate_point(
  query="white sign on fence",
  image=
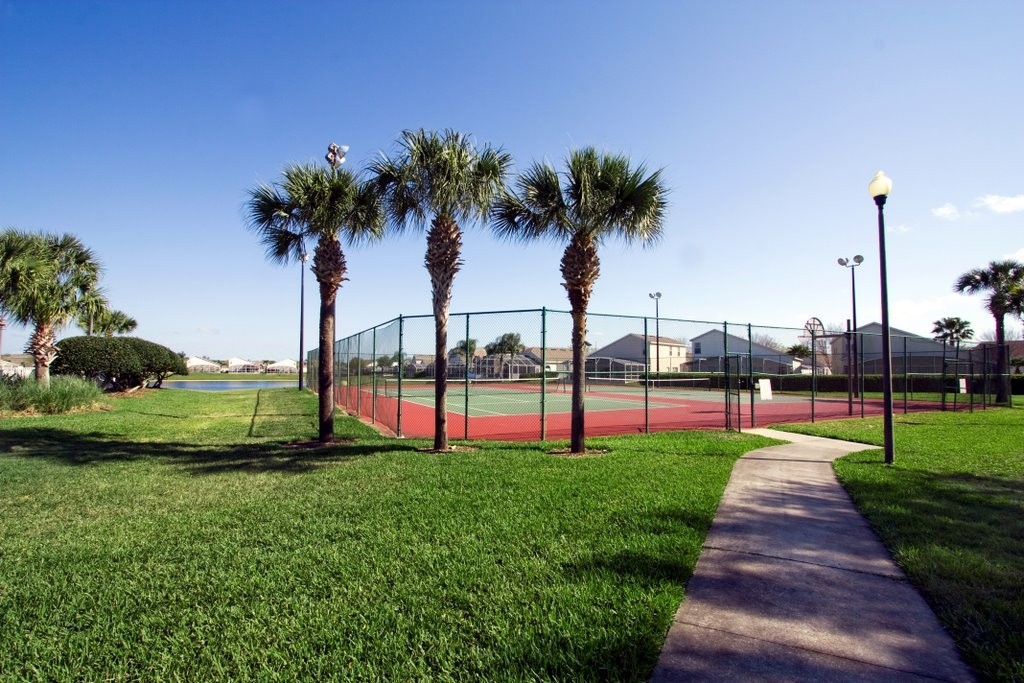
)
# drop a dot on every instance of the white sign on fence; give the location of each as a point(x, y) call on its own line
point(766, 389)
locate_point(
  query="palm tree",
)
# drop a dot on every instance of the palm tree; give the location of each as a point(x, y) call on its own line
point(110, 322)
point(510, 343)
point(1003, 281)
point(313, 203)
point(92, 305)
point(443, 179)
point(45, 278)
point(952, 331)
point(600, 197)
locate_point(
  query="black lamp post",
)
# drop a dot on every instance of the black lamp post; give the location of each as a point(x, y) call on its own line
point(657, 331)
point(879, 188)
point(852, 351)
point(303, 257)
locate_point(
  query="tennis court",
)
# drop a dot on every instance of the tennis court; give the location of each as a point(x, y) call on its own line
point(532, 409)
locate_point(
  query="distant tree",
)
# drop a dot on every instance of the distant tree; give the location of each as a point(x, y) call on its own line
point(443, 179)
point(799, 351)
point(765, 339)
point(314, 204)
point(952, 331)
point(44, 277)
point(110, 322)
point(509, 344)
point(91, 305)
point(1017, 362)
point(465, 348)
point(1003, 282)
point(600, 197)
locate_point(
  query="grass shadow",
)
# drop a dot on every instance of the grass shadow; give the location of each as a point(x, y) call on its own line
point(79, 449)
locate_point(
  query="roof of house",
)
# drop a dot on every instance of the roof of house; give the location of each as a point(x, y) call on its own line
point(550, 354)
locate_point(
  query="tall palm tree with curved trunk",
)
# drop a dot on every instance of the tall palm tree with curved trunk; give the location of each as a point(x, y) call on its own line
point(321, 205)
point(1003, 282)
point(443, 179)
point(45, 278)
point(599, 197)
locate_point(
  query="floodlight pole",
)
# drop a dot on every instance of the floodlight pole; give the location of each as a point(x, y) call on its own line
point(879, 189)
point(852, 351)
point(657, 332)
point(303, 257)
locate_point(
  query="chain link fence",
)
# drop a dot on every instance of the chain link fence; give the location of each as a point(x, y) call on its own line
point(509, 374)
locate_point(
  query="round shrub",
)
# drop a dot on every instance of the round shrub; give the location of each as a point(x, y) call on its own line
point(116, 363)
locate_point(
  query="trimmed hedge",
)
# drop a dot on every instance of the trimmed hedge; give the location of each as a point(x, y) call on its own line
point(116, 363)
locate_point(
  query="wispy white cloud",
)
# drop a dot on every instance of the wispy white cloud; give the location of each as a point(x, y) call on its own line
point(1015, 256)
point(903, 228)
point(946, 212)
point(1001, 204)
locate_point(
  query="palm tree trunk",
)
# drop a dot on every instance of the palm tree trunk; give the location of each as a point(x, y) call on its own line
point(577, 425)
point(580, 269)
point(329, 268)
point(42, 345)
point(1002, 380)
point(444, 244)
point(325, 370)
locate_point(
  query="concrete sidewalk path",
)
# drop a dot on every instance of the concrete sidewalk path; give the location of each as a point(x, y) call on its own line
point(793, 585)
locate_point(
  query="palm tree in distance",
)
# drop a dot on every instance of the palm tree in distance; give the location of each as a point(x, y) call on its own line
point(443, 179)
point(510, 344)
point(952, 331)
point(1003, 281)
point(45, 278)
point(321, 205)
point(91, 306)
point(600, 197)
point(110, 322)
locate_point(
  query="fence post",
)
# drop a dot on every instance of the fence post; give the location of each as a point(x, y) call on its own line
point(814, 370)
point(543, 371)
point(465, 412)
point(943, 380)
point(359, 374)
point(373, 380)
point(647, 381)
point(906, 374)
point(401, 373)
point(750, 370)
point(725, 375)
point(849, 369)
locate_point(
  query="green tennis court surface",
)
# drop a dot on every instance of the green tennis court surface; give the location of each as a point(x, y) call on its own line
point(491, 397)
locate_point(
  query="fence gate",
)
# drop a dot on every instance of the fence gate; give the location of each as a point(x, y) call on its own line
point(735, 371)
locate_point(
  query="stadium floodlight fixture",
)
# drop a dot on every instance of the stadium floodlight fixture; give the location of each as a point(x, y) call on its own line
point(879, 189)
point(336, 155)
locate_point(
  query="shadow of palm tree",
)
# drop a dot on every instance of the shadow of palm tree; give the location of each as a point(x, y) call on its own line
point(77, 448)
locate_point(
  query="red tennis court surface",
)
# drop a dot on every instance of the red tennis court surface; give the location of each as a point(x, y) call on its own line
point(663, 414)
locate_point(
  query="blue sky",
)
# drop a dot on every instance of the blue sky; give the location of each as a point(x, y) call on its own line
point(139, 126)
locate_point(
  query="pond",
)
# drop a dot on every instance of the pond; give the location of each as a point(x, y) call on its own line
point(229, 384)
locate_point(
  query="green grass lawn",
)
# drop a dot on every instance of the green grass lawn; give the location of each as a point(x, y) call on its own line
point(951, 511)
point(177, 536)
point(238, 377)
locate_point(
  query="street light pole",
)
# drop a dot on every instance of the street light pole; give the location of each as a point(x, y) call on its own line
point(657, 331)
point(854, 371)
point(879, 188)
point(303, 257)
